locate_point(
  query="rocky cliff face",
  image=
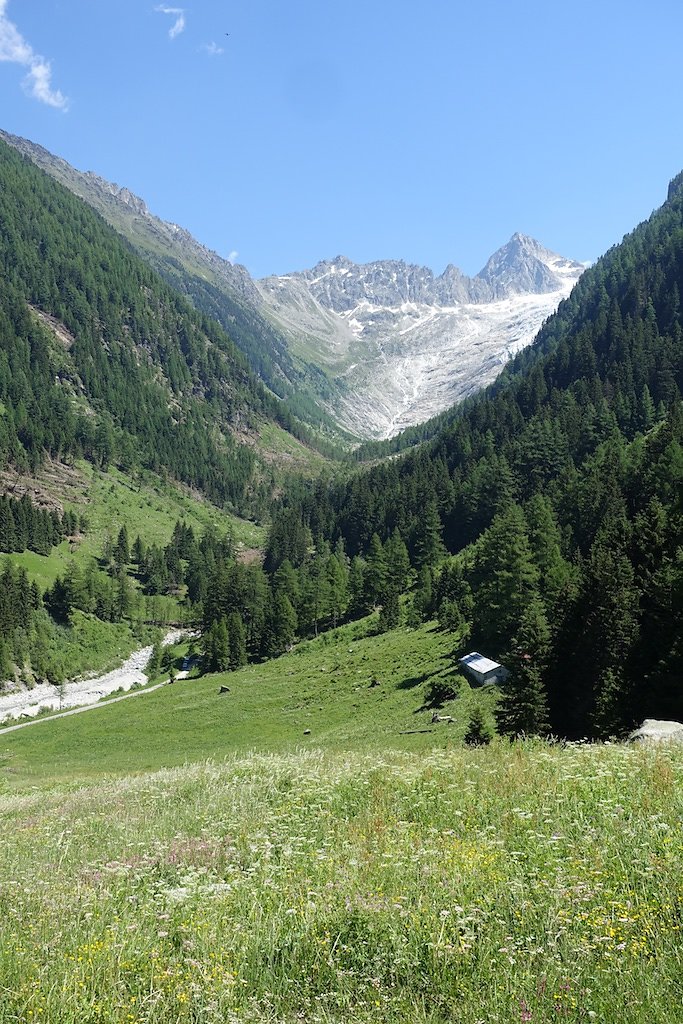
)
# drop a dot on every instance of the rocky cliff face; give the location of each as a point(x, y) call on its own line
point(405, 344)
point(521, 267)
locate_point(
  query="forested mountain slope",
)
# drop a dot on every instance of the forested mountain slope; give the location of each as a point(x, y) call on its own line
point(217, 288)
point(99, 357)
point(562, 489)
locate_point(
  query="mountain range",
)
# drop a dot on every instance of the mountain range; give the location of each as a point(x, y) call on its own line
point(541, 521)
point(367, 348)
point(407, 344)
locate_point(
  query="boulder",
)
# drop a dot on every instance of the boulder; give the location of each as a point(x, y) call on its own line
point(653, 730)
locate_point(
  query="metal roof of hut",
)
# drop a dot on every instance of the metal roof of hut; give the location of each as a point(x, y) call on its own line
point(478, 663)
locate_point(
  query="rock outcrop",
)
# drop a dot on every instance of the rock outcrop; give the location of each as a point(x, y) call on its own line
point(654, 730)
point(404, 344)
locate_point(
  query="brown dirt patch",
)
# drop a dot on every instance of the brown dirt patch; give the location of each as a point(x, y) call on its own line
point(61, 333)
point(54, 484)
point(248, 556)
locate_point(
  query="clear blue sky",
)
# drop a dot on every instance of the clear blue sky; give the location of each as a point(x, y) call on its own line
point(428, 131)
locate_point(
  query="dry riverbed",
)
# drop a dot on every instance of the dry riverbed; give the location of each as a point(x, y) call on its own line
point(81, 691)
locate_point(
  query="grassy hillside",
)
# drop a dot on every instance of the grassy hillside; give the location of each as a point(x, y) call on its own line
point(198, 857)
point(145, 505)
point(352, 691)
point(507, 885)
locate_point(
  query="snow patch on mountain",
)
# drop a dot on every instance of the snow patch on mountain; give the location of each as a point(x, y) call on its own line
point(405, 344)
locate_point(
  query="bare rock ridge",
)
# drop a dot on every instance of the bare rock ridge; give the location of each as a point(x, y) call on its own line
point(408, 344)
point(521, 266)
point(123, 195)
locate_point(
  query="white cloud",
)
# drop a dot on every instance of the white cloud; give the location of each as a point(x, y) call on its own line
point(232, 256)
point(213, 49)
point(179, 23)
point(15, 50)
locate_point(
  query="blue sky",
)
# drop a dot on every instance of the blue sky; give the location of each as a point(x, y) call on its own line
point(376, 129)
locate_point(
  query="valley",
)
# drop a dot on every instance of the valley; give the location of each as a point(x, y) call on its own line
point(358, 351)
point(325, 821)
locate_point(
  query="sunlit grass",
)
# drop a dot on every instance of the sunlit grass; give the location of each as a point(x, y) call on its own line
point(146, 506)
point(508, 884)
point(347, 690)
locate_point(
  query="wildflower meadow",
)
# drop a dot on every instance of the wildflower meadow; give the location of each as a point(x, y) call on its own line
point(525, 882)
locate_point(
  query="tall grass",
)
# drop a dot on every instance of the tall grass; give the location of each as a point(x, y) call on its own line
point(508, 884)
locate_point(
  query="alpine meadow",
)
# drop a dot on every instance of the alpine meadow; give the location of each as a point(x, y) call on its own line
point(379, 770)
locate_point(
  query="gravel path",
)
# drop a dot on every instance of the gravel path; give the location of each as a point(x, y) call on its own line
point(81, 691)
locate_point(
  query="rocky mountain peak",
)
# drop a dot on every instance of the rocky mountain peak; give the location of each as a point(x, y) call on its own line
point(341, 285)
point(405, 343)
point(523, 265)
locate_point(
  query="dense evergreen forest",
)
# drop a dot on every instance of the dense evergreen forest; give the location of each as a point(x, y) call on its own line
point(140, 378)
point(25, 527)
point(263, 346)
point(557, 494)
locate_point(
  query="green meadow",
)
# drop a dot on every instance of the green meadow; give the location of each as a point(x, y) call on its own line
point(347, 690)
point(503, 884)
point(198, 857)
point(147, 506)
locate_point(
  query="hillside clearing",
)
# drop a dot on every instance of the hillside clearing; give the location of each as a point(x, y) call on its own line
point(353, 691)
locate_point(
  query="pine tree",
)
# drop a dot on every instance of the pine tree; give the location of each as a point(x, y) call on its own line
point(390, 612)
point(505, 580)
point(423, 598)
point(356, 606)
point(154, 664)
point(121, 553)
point(237, 638)
point(138, 552)
point(428, 543)
point(280, 628)
point(397, 562)
point(479, 732)
point(216, 646)
point(338, 583)
point(375, 578)
point(523, 708)
point(286, 581)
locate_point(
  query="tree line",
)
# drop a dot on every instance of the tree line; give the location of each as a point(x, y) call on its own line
point(25, 526)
